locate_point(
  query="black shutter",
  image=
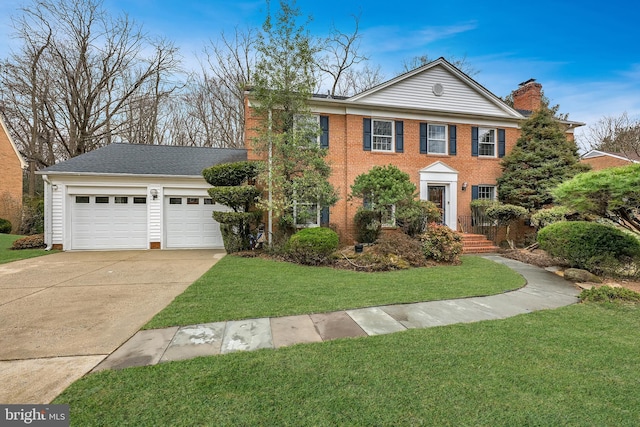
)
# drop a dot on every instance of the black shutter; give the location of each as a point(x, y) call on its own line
point(474, 192)
point(452, 140)
point(324, 137)
point(502, 146)
point(423, 138)
point(324, 216)
point(474, 141)
point(399, 136)
point(366, 134)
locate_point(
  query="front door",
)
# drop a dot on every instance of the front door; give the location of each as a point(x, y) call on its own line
point(435, 194)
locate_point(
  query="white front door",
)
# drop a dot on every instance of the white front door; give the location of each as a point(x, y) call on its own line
point(189, 224)
point(439, 184)
point(108, 222)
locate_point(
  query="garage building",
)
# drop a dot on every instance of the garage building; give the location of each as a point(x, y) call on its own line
point(134, 196)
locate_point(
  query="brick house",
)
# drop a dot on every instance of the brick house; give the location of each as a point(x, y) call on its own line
point(604, 159)
point(435, 123)
point(11, 165)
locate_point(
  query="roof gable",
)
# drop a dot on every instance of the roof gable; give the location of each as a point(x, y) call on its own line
point(439, 86)
point(141, 159)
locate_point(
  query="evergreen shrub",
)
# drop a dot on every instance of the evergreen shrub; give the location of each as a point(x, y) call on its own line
point(586, 244)
point(5, 226)
point(312, 246)
point(368, 225)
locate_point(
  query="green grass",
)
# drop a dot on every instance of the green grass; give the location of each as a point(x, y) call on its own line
point(574, 366)
point(8, 255)
point(242, 288)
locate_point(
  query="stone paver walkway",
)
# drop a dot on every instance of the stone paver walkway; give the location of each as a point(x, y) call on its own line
point(544, 290)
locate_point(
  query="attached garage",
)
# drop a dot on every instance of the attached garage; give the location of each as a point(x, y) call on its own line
point(131, 196)
point(108, 222)
point(189, 223)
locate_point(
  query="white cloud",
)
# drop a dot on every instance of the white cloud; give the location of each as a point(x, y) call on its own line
point(399, 39)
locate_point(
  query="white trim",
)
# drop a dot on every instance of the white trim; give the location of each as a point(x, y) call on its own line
point(439, 173)
point(597, 153)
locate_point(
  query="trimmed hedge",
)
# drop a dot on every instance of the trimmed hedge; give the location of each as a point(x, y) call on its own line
point(587, 244)
point(230, 174)
point(5, 226)
point(368, 225)
point(312, 246)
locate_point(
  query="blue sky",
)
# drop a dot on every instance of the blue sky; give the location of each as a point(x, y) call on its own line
point(586, 54)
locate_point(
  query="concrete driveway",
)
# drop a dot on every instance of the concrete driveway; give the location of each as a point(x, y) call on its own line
point(62, 314)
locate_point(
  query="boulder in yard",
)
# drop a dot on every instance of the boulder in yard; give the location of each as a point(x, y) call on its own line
point(577, 275)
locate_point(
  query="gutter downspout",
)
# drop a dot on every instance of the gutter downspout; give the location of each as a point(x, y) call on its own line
point(48, 202)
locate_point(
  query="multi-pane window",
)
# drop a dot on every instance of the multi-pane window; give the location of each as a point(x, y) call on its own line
point(486, 192)
point(306, 214)
point(436, 139)
point(487, 142)
point(102, 199)
point(382, 135)
point(193, 200)
point(310, 126)
point(121, 199)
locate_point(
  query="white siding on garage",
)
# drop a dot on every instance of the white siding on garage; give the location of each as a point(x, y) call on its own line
point(189, 224)
point(108, 222)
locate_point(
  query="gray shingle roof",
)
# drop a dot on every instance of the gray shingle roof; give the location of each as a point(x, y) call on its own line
point(140, 159)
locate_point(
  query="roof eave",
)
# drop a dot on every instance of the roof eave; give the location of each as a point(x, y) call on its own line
point(111, 174)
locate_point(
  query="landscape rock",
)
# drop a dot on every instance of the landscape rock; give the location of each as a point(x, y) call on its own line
point(578, 275)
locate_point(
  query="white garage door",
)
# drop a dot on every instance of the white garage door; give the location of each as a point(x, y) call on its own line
point(189, 223)
point(108, 222)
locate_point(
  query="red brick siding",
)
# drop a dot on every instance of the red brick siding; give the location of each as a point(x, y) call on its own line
point(10, 181)
point(348, 160)
point(604, 162)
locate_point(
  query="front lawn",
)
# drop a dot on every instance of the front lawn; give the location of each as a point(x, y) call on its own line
point(241, 288)
point(573, 366)
point(8, 255)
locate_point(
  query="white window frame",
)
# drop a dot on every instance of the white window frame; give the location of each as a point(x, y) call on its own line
point(391, 137)
point(310, 223)
point(391, 213)
point(486, 142)
point(312, 118)
point(491, 189)
point(429, 139)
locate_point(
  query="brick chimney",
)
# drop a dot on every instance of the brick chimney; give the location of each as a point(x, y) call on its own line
point(528, 96)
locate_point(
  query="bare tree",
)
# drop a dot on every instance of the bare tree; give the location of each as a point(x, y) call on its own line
point(460, 63)
point(356, 80)
point(617, 134)
point(340, 53)
point(86, 69)
point(218, 97)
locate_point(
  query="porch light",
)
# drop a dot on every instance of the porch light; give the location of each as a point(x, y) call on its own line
point(464, 186)
point(154, 193)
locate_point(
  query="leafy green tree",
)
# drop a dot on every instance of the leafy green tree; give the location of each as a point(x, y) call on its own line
point(382, 189)
point(231, 188)
point(287, 134)
point(612, 193)
point(541, 159)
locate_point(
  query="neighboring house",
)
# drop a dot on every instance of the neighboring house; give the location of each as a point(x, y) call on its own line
point(435, 123)
point(603, 159)
point(130, 196)
point(11, 165)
